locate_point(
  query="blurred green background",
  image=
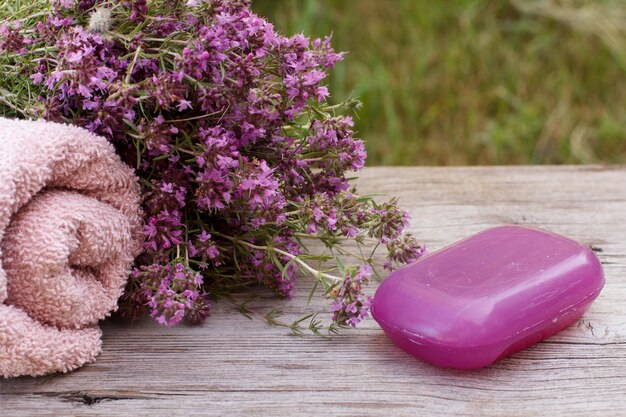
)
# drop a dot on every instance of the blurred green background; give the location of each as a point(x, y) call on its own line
point(476, 81)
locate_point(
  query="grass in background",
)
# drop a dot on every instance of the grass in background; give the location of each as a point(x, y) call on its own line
point(476, 81)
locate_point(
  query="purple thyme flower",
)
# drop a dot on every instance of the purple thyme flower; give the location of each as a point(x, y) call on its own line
point(229, 126)
point(351, 305)
point(11, 40)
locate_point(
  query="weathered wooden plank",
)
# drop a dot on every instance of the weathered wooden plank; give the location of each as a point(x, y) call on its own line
point(234, 366)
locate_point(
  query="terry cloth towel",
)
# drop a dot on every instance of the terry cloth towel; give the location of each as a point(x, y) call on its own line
point(70, 226)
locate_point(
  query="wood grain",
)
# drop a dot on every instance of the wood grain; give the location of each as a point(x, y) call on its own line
point(237, 367)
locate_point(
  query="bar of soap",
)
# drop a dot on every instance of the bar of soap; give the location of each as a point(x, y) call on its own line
point(487, 296)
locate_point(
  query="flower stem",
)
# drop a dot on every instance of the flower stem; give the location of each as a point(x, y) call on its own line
point(296, 259)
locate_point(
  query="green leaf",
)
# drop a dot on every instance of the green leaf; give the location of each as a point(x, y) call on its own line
point(315, 283)
point(340, 266)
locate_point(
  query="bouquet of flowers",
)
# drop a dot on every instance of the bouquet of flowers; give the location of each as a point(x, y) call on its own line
point(241, 157)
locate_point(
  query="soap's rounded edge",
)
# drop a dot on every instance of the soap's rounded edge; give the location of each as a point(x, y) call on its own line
point(595, 261)
point(478, 356)
point(546, 332)
point(441, 355)
point(432, 352)
point(379, 293)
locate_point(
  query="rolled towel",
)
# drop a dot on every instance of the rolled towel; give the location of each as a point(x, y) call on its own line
point(70, 226)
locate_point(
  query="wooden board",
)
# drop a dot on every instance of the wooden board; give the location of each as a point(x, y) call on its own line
point(232, 366)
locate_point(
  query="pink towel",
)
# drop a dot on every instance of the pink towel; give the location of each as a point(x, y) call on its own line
point(69, 229)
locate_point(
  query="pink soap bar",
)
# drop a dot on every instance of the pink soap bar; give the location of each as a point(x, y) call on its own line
point(487, 296)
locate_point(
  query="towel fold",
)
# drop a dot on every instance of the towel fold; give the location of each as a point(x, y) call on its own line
point(70, 226)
